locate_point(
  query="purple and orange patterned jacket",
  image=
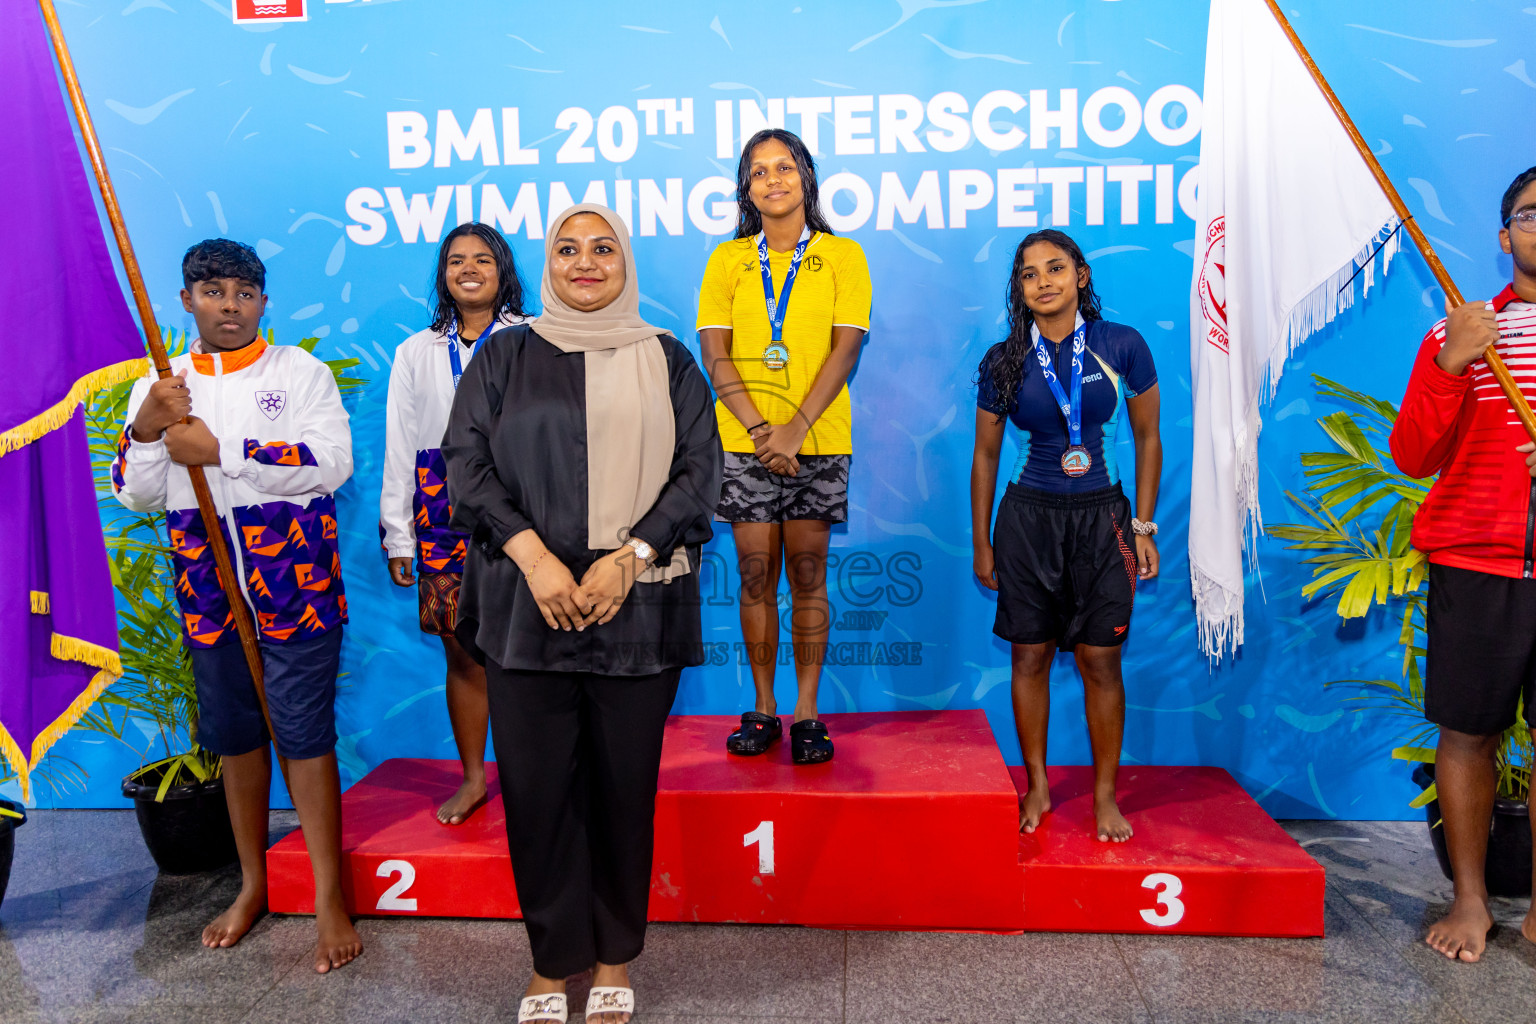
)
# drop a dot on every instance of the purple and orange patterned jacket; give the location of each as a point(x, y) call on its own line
point(284, 448)
point(413, 500)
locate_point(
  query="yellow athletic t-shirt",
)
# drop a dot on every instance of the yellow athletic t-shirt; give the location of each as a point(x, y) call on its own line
point(832, 289)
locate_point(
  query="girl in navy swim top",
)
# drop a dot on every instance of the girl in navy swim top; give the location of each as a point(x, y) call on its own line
point(1067, 551)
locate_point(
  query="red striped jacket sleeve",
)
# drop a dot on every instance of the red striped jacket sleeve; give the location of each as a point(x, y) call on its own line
point(1431, 421)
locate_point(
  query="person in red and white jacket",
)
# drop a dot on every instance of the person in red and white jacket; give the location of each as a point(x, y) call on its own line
point(1478, 529)
point(478, 292)
point(267, 425)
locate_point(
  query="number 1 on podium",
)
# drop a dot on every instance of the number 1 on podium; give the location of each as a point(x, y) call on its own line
point(763, 837)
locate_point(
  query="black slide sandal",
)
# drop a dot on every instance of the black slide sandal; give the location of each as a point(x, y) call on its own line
point(758, 732)
point(809, 742)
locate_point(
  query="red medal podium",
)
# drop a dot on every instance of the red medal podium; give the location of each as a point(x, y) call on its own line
point(914, 825)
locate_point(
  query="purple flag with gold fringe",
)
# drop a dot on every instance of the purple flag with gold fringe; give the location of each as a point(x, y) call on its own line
point(65, 331)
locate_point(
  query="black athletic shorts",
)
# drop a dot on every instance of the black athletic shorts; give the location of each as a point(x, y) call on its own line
point(753, 493)
point(1481, 650)
point(1066, 568)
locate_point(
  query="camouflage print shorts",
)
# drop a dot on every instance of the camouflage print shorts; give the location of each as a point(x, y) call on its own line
point(753, 494)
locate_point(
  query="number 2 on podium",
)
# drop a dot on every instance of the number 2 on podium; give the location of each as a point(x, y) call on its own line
point(392, 898)
point(1170, 909)
point(763, 837)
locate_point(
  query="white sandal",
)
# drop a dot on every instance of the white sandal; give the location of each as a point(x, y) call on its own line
point(535, 1008)
point(610, 999)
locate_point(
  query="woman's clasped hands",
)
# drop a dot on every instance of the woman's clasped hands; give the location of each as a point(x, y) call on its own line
point(567, 604)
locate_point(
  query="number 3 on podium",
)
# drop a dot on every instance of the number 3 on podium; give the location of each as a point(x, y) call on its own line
point(1170, 909)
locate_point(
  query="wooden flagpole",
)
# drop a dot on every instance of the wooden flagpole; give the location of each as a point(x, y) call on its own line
point(1452, 293)
point(211, 522)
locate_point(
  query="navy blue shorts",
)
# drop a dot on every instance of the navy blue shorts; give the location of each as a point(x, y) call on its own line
point(301, 697)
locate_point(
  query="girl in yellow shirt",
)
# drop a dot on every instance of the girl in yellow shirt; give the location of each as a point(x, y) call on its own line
point(783, 310)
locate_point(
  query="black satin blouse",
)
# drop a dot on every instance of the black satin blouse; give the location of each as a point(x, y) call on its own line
point(516, 449)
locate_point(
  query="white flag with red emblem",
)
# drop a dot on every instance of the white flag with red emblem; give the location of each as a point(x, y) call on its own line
point(1288, 216)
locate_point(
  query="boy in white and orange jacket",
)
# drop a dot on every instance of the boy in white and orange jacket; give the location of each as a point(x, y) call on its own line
point(267, 425)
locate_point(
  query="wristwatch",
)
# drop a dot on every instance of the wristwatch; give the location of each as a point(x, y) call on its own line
point(643, 551)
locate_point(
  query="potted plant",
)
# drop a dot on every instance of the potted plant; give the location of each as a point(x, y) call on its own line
point(179, 795)
point(179, 798)
point(1361, 513)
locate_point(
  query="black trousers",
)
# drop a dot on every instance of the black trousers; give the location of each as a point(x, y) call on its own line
point(578, 756)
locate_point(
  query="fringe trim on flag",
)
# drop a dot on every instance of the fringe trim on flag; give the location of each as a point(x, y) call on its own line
point(76, 711)
point(1314, 311)
point(1218, 612)
point(58, 414)
point(11, 751)
point(68, 648)
point(65, 648)
point(1318, 308)
point(1307, 317)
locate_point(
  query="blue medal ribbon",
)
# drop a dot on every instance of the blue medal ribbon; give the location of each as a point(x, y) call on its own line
point(778, 308)
point(453, 348)
point(1071, 408)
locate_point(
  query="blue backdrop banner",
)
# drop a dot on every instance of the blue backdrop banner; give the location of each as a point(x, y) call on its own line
point(343, 138)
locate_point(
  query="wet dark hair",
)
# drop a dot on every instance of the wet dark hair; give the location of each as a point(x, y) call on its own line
point(748, 220)
point(509, 288)
point(220, 257)
point(1522, 180)
point(1010, 363)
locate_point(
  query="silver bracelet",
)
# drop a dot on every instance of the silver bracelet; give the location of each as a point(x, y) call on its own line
point(1143, 528)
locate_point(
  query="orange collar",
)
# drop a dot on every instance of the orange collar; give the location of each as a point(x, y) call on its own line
point(236, 360)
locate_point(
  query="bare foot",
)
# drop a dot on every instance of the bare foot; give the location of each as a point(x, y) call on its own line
point(1112, 826)
point(1462, 934)
point(1033, 807)
point(469, 798)
point(1528, 926)
point(338, 943)
point(229, 927)
point(611, 976)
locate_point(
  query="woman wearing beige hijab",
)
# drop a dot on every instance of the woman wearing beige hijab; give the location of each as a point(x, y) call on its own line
point(585, 463)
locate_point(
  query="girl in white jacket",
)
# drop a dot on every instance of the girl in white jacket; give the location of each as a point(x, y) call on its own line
point(477, 291)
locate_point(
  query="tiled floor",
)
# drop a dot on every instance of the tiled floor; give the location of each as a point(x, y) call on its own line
point(89, 932)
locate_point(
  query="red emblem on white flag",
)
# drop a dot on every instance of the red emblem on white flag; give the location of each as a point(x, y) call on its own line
point(1212, 286)
point(269, 10)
